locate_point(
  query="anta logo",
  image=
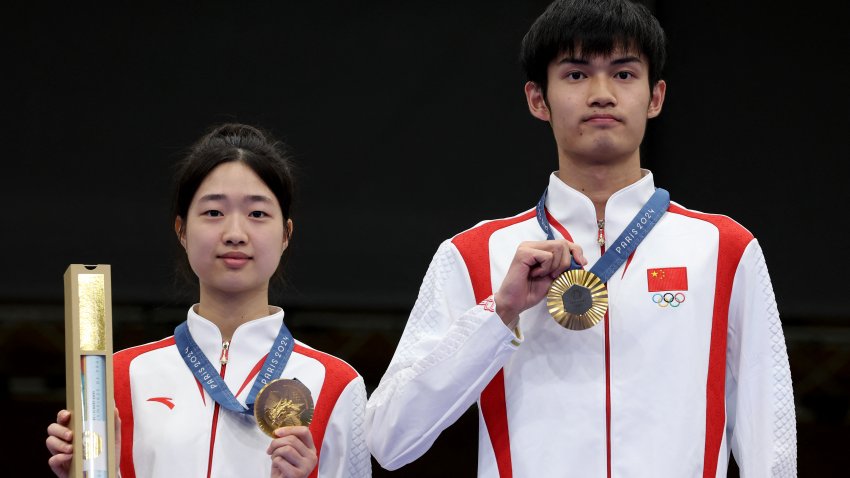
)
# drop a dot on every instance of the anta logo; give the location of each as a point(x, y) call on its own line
point(163, 400)
point(668, 284)
point(488, 304)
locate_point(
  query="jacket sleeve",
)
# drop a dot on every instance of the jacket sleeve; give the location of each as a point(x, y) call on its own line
point(449, 351)
point(761, 423)
point(344, 453)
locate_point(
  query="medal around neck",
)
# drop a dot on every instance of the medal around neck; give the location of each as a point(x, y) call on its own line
point(283, 403)
point(577, 299)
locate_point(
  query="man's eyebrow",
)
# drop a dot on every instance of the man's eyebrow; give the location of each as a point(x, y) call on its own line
point(625, 59)
point(583, 61)
point(569, 59)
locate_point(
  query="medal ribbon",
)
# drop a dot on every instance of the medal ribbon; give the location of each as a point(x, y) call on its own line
point(212, 382)
point(628, 240)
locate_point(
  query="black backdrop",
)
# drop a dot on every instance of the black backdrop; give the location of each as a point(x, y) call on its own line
point(408, 124)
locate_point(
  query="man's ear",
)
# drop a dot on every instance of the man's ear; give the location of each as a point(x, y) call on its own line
point(536, 101)
point(657, 99)
point(179, 229)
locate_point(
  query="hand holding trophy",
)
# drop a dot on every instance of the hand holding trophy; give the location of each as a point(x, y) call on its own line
point(90, 410)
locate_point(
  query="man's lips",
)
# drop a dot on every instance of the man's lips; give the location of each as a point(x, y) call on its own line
point(601, 118)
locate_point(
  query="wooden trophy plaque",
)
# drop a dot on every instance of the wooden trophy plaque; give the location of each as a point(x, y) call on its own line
point(88, 370)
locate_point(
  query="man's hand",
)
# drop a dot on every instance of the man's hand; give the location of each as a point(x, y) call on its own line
point(533, 269)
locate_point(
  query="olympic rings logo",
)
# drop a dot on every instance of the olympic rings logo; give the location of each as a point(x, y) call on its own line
point(668, 299)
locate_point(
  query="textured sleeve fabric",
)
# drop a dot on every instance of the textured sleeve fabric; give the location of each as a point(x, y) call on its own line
point(760, 401)
point(449, 351)
point(344, 452)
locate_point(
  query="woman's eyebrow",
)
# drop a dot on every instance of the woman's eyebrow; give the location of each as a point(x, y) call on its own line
point(257, 198)
point(212, 197)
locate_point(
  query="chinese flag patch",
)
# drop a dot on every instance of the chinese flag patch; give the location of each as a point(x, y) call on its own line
point(667, 278)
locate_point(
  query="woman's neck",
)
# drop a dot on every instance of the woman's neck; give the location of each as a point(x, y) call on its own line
point(228, 311)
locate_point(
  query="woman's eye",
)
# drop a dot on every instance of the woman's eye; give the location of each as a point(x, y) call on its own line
point(258, 214)
point(213, 213)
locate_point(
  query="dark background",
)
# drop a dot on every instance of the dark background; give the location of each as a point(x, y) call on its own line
point(408, 124)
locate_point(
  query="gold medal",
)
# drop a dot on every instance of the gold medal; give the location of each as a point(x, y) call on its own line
point(283, 403)
point(577, 299)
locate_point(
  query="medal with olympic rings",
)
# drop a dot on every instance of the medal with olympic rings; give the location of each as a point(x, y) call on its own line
point(578, 299)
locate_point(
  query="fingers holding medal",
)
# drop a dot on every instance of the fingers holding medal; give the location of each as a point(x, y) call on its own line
point(578, 299)
point(533, 267)
point(549, 258)
point(283, 403)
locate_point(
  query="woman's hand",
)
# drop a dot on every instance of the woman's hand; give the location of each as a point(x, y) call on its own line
point(293, 453)
point(59, 442)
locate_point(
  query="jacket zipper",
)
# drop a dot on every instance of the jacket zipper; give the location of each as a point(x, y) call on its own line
point(225, 346)
point(600, 239)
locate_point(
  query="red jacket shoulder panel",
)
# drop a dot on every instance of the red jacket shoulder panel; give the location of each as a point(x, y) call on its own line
point(474, 246)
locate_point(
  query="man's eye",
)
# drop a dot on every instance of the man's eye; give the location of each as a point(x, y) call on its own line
point(575, 75)
point(213, 213)
point(258, 214)
point(623, 75)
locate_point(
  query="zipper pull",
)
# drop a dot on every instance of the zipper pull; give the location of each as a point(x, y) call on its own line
point(600, 239)
point(224, 346)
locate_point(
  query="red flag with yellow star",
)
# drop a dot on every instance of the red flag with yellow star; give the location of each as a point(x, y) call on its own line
point(667, 278)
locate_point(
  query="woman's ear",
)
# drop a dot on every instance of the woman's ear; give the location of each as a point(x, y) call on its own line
point(287, 234)
point(180, 230)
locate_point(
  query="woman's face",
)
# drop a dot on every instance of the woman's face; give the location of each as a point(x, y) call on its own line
point(234, 232)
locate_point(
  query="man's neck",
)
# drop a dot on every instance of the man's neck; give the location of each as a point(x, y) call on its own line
point(598, 181)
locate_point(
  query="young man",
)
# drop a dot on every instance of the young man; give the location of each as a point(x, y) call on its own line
point(688, 361)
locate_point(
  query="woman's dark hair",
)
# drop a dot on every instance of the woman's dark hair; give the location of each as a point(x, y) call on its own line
point(226, 143)
point(592, 27)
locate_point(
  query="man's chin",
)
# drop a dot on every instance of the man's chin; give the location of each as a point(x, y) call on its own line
point(605, 152)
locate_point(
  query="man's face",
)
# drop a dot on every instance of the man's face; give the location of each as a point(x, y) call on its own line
point(598, 106)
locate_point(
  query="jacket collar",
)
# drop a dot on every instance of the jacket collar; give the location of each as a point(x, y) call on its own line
point(575, 211)
point(250, 340)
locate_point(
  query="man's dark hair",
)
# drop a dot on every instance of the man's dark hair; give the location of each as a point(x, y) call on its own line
point(589, 28)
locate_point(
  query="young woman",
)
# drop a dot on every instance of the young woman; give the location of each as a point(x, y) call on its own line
point(232, 217)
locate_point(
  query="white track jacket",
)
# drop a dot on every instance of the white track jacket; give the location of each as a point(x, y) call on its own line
point(689, 363)
point(171, 427)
